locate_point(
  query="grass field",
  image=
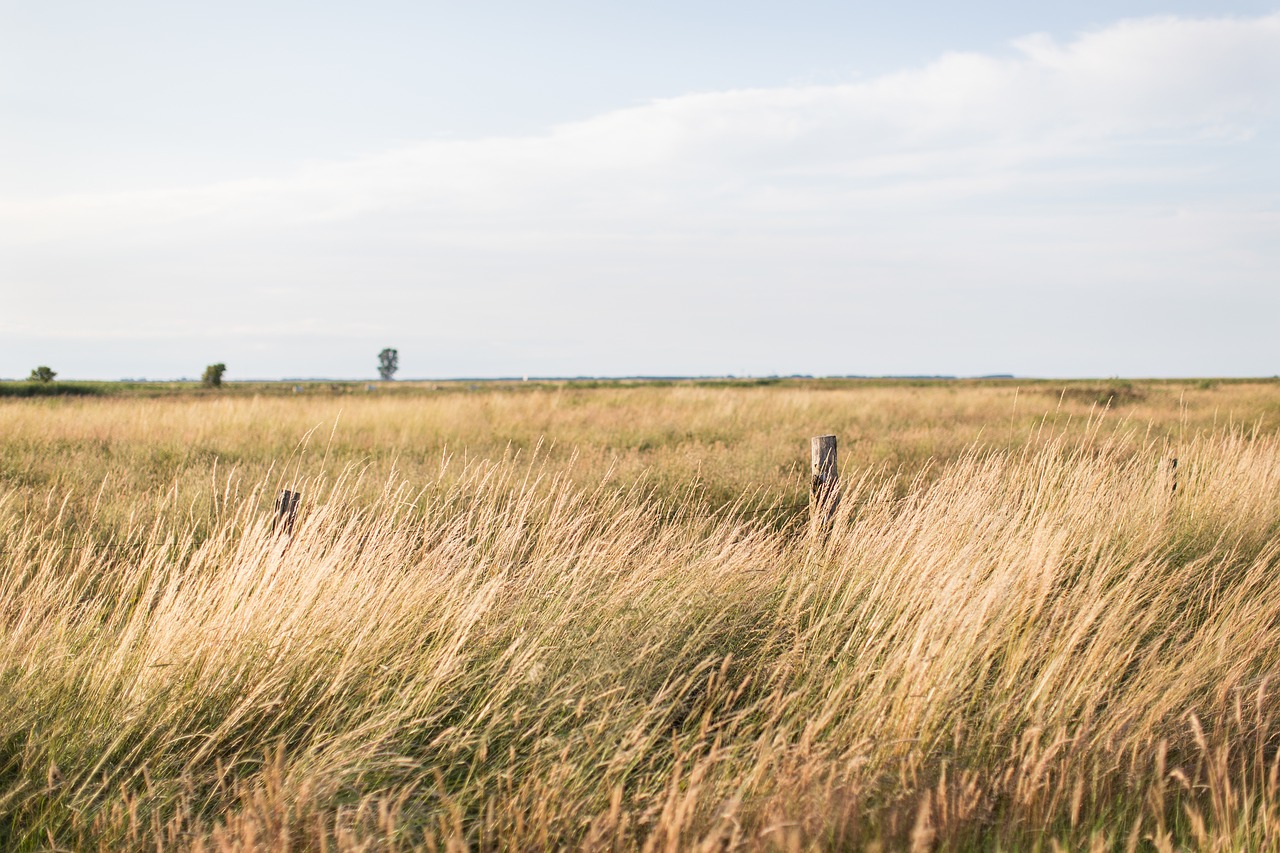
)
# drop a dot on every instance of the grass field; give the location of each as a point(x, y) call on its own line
point(566, 615)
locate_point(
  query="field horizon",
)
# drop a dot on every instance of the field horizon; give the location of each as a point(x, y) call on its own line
point(1114, 389)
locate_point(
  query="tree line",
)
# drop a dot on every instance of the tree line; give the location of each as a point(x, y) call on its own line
point(388, 364)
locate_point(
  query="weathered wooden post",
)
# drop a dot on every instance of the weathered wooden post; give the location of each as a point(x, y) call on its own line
point(286, 511)
point(1173, 476)
point(824, 495)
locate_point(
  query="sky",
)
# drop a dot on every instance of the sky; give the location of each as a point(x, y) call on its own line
point(617, 189)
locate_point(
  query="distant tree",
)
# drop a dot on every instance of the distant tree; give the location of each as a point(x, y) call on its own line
point(42, 374)
point(212, 377)
point(388, 363)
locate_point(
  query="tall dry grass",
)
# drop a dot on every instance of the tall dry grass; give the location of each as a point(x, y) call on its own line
point(728, 441)
point(1033, 646)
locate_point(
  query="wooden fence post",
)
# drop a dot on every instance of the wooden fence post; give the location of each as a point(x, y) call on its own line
point(825, 492)
point(286, 511)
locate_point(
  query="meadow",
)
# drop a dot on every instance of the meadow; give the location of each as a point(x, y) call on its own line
point(592, 615)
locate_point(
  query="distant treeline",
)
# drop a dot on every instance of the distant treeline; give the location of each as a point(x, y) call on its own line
point(51, 389)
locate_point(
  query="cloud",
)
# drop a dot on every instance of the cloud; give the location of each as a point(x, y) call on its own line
point(1171, 80)
point(1136, 153)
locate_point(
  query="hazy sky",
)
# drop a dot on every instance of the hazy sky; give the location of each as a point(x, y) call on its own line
point(560, 188)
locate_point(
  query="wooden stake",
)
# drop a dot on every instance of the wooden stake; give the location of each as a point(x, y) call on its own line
point(824, 495)
point(286, 511)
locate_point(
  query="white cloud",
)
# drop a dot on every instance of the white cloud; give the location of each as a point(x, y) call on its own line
point(1034, 160)
point(1168, 79)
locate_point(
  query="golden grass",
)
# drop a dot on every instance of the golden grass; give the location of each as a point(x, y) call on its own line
point(1027, 643)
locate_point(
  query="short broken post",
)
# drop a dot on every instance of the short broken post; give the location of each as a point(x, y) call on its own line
point(824, 495)
point(286, 512)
